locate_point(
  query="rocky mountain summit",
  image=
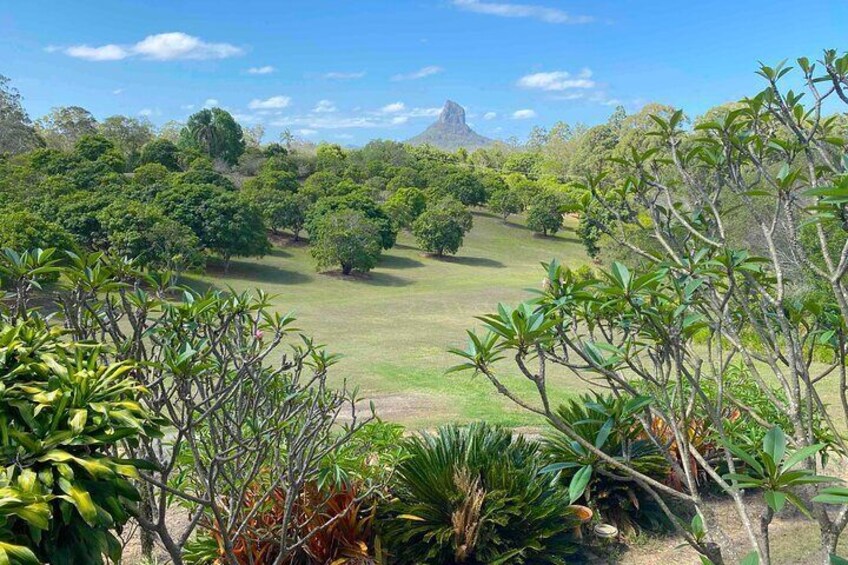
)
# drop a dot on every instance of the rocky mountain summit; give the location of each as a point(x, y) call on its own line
point(450, 132)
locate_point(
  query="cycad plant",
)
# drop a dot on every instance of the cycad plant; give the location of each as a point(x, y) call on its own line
point(608, 423)
point(474, 495)
point(64, 490)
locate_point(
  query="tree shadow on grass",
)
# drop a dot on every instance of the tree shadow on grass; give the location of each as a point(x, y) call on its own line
point(256, 272)
point(373, 278)
point(471, 261)
point(399, 262)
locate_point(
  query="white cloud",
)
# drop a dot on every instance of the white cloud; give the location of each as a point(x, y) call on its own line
point(102, 53)
point(147, 112)
point(420, 73)
point(307, 131)
point(159, 47)
point(490, 115)
point(265, 70)
point(273, 103)
point(388, 116)
point(509, 10)
point(118, 91)
point(211, 103)
point(525, 114)
point(393, 108)
point(324, 106)
point(557, 80)
point(335, 75)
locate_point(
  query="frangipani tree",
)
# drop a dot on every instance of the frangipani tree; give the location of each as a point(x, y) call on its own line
point(699, 303)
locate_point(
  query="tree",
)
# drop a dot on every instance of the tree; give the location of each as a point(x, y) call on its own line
point(142, 232)
point(289, 210)
point(225, 223)
point(405, 205)
point(362, 202)
point(699, 311)
point(17, 134)
point(544, 215)
point(64, 126)
point(505, 202)
point(161, 151)
point(459, 183)
point(215, 133)
point(23, 230)
point(442, 226)
point(347, 238)
point(128, 134)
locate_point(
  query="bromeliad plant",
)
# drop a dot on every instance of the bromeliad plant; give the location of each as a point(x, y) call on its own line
point(65, 415)
point(475, 495)
point(608, 423)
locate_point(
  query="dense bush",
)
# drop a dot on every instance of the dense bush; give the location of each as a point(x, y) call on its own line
point(64, 414)
point(474, 495)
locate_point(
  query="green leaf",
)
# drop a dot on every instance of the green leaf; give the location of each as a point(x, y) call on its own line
point(579, 482)
point(836, 560)
point(604, 433)
point(775, 499)
point(801, 454)
point(17, 554)
point(774, 443)
point(752, 558)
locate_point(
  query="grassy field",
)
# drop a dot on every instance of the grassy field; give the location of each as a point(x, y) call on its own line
point(395, 325)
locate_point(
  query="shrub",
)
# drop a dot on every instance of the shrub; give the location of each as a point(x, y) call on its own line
point(442, 226)
point(474, 495)
point(608, 423)
point(346, 238)
point(64, 412)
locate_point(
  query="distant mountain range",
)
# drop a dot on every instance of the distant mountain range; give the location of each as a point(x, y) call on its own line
point(450, 132)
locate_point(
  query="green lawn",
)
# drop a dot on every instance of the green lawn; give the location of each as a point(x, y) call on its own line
point(394, 326)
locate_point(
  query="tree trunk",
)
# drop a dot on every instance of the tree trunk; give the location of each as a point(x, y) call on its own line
point(146, 508)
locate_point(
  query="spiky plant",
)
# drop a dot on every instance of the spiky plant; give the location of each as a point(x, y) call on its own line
point(474, 495)
point(608, 423)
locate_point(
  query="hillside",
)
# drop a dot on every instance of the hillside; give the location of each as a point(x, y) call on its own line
point(450, 132)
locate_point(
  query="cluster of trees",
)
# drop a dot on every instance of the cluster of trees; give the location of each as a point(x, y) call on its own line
point(175, 196)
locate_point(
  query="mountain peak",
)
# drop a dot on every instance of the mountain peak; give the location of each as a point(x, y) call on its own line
point(450, 132)
point(452, 113)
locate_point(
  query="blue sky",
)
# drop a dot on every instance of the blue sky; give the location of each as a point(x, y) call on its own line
point(349, 71)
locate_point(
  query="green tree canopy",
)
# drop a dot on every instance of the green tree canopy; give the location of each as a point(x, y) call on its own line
point(215, 133)
point(347, 238)
point(442, 226)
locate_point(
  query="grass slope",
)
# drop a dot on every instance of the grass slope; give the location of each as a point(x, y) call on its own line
point(395, 325)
